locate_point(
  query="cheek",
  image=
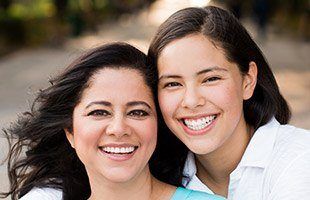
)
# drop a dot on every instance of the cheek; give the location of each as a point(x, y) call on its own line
point(150, 132)
point(146, 131)
point(86, 136)
point(228, 97)
point(168, 103)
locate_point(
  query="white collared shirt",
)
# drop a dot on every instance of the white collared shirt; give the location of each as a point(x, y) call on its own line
point(275, 166)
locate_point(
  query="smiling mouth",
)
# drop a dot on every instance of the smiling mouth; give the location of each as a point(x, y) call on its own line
point(198, 124)
point(119, 150)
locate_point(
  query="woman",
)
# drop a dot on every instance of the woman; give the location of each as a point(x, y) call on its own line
point(219, 97)
point(91, 134)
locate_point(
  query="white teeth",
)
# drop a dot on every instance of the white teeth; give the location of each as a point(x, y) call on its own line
point(199, 124)
point(118, 149)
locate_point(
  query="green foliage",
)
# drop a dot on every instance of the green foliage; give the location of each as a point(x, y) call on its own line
point(32, 9)
point(35, 22)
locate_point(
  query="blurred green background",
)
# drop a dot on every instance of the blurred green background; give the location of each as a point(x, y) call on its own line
point(50, 22)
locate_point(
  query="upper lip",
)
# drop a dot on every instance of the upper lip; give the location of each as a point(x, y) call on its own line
point(196, 116)
point(118, 145)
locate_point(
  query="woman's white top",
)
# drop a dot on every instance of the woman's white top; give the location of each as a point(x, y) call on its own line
point(43, 194)
point(275, 166)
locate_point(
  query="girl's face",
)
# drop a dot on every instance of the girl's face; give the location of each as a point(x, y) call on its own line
point(201, 93)
point(115, 126)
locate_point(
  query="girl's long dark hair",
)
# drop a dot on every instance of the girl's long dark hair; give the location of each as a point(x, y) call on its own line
point(39, 154)
point(224, 30)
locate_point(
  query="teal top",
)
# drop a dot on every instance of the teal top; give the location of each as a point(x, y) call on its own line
point(186, 194)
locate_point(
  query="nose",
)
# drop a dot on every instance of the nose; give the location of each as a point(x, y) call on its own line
point(192, 98)
point(118, 127)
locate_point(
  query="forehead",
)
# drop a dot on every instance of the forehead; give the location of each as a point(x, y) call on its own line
point(117, 84)
point(194, 51)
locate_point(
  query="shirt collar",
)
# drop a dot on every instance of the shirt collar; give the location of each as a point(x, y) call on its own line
point(260, 147)
point(190, 169)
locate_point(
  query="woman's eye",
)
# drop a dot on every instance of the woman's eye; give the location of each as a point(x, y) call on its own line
point(211, 79)
point(172, 84)
point(98, 113)
point(138, 113)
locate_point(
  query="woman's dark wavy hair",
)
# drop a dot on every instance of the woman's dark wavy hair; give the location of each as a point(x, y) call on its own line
point(50, 161)
point(227, 34)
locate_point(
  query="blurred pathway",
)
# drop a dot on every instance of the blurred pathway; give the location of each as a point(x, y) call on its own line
point(23, 72)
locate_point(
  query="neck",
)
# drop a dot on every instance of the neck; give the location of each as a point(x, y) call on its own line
point(214, 168)
point(145, 186)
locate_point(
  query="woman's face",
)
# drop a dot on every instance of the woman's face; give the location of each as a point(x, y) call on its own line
point(201, 93)
point(115, 126)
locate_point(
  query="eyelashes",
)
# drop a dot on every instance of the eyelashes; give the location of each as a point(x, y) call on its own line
point(98, 113)
point(137, 113)
point(171, 84)
point(177, 84)
point(211, 79)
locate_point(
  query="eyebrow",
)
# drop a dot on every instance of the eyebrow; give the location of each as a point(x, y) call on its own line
point(215, 68)
point(129, 104)
point(135, 103)
point(169, 76)
point(104, 103)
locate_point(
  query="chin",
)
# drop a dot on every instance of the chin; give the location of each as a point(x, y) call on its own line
point(202, 148)
point(120, 177)
point(200, 151)
point(114, 174)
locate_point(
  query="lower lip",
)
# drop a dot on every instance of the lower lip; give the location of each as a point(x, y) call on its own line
point(118, 157)
point(199, 132)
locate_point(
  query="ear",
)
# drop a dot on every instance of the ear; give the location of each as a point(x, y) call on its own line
point(70, 137)
point(249, 81)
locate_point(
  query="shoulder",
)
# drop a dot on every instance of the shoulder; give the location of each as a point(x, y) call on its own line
point(291, 142)
point(43, 194)
point(197, 195)
point(287, 132)
point(187, 194)
point(278, 145)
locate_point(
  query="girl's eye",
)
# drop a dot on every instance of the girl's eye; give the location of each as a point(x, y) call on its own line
point(172, 84)
point(211, 79)
point(98, 113)
point(138, 113)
